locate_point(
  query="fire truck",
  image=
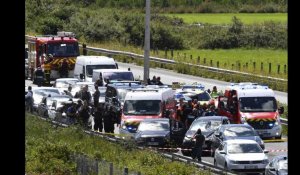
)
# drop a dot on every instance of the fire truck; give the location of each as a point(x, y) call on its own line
point(252, 104)
point(49, 51)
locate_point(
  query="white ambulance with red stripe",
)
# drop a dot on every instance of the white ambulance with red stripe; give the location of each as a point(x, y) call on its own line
point(252, 104)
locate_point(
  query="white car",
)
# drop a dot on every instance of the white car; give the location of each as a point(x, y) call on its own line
point(63, 83)
point(241, 156)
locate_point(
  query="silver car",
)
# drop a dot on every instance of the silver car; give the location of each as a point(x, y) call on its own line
point(277, 166)
point(241, 155)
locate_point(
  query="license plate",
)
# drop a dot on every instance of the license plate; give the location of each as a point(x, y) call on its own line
point(251, 167)
point(152, 143)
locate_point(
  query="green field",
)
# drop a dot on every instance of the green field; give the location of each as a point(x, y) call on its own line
point(225, 18)
point(226, 57)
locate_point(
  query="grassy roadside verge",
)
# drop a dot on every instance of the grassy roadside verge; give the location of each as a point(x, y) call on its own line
point(225, 18)
point(49, 149)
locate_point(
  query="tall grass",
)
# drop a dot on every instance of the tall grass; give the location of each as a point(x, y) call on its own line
point(48, 151)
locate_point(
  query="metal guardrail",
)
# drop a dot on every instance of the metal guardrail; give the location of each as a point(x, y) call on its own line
point(284, 121)
point(163, 60)
point(167, 61)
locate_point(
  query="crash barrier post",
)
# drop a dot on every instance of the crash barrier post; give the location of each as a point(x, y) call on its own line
point(239, 65)
point(191, 57)
point(172, 56)
point(125, 171)
point(111, 168)
point(284, 69)
point(139, 173)
point(278, 69)
point(232, 65)
point(166, 52)
point(261, 66)
point(184, 55)
point(198, 59)
point(246, 65)
point(254, 65)
point(217, 64)
point(204, 61)
point(211, 63)
point(84, 51)
point(270, 67)
point(177, 55)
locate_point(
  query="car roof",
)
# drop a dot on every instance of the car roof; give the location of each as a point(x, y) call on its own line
point(211, 118)
point(236, 125)
point(240, 141)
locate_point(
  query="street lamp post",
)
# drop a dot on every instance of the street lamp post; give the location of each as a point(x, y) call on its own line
point(147, 42)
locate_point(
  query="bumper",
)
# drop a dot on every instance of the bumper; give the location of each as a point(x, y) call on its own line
point(125, 132)
point(249, 168)
point(274, 132)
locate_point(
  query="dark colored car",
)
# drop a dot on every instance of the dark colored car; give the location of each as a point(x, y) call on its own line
point(235, 131)
point(208, 126)
point(277, 166)
point(157, 132)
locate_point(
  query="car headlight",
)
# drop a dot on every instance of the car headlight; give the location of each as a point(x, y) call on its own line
point(232, 161)
point(266, 161)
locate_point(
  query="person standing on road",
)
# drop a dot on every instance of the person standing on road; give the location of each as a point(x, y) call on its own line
point(98, 117)
point(214, 93)
point(68, 92)
point(158, 82)
point(85, 94)
point(71, 113)
point(29, 99)
point(39, 75)
point(96, 96)
point(84, 114)
point(64, 69)
point(197, 150)
point(109, 120)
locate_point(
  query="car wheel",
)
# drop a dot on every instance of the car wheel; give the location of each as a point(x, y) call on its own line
point(225, 166)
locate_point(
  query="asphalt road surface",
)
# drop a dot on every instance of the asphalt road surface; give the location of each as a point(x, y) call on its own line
point(168, 76)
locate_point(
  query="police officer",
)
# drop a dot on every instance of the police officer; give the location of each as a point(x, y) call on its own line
point(98, 118)
point(109, 120)
point(39, 75)
point(96, 96)
point(214, 93)
point(85, 94)
point(197, 150)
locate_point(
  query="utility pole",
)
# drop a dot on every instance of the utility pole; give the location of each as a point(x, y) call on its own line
point(147, 42)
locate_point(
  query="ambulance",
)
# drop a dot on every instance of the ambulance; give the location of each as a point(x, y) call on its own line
point(252, 104)
point(150, 102)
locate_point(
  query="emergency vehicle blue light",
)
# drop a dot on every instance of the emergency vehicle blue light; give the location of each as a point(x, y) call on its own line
point(271, 124)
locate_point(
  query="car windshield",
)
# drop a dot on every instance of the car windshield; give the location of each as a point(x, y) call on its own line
point(120, 76)
point(64, 84)
point(45, 91)
point(239, 132)
point(142, 107)
point(258, 104)
point(63, 49)
point(243, 148)
point(206, 125)
point(154, 126)
point(90, 68)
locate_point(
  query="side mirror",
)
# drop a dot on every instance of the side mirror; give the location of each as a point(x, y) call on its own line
point(81, 76)
point(222, 152)
point(266, 151)
point(281, 110)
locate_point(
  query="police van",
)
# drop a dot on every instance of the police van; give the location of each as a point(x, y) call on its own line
point(85, 65)
point(252, 104)
point(149, 102)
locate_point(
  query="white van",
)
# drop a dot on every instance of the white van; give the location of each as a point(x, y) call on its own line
point(86, 64)
point(112, 75)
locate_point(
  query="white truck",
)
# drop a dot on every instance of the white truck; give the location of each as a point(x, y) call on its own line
point(85, 65)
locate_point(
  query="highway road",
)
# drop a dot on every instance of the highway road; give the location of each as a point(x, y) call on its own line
point(168, 76)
